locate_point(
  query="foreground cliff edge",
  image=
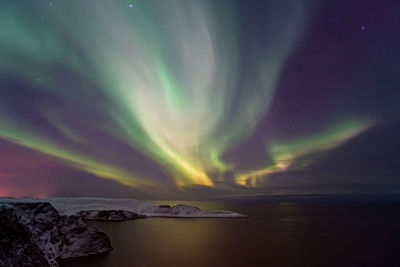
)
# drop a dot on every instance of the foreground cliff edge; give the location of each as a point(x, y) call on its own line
point(40, 232)
point(35, 234)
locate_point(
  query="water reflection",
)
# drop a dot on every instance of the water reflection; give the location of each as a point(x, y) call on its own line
point(276, 234)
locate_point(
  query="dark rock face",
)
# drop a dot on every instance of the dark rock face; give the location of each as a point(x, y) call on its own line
point(180, 209)
point(16, 248)
point(80, 239)
point(34, 234)
point(184, 209)
point(162, 209)
point(109, 215)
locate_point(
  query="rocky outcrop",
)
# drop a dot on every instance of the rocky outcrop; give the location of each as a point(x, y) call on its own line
point(109, 215)
point(16, 248)
point(111, 207)
point(34, 234)
point(179, 209)
point(162, 209)
point(80, 239)
point(182, 210)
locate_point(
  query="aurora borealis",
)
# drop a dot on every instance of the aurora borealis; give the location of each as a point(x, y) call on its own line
point(183, 96)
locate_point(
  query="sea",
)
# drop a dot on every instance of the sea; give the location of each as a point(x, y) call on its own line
point(275, 233)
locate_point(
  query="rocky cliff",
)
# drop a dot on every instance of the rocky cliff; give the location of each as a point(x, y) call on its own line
point(109, 215)
point(34, 234)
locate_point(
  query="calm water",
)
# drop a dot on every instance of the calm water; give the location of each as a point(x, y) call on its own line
point(275, 234)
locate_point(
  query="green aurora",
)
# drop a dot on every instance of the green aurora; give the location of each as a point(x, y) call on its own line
point(166, 75)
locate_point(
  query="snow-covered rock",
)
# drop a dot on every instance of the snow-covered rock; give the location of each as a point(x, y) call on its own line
point(182, 211)
point(71, 206)
point(34, 234)
point(109, 215)
point(16, 248)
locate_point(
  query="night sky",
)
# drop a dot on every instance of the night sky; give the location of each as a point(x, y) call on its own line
point(195, 98)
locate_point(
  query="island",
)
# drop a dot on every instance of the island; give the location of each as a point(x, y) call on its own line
point(40, 232)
